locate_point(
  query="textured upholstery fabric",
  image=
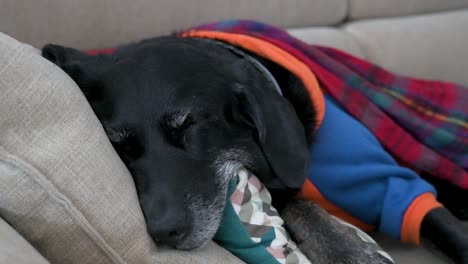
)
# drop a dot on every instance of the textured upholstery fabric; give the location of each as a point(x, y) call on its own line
point(95, 24)
point(359, 9)
point(430, 46)
point(62, 186)
point(328, 37)
point(15, 249)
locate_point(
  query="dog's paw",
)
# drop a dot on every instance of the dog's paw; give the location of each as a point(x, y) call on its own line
point(325, 239)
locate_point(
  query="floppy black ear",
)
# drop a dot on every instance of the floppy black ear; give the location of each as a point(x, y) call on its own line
point(281, 134)
point(61, 55)
point(84, 69)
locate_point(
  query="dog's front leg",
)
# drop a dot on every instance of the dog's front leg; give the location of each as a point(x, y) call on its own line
point(446, 232)
point(324, 240)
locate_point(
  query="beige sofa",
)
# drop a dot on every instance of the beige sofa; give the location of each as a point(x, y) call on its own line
point(422, 38)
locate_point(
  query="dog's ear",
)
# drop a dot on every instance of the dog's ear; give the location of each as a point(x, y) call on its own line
point(61, 55)
point(280, 133)
point(84, 69)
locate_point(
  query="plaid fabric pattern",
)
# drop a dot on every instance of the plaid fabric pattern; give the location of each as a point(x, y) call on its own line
point(423, 124)
point(252, 203)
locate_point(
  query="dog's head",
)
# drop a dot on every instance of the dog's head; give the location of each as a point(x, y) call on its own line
point(184, 115)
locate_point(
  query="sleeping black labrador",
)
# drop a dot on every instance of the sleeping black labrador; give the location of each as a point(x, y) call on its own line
point(185, 114)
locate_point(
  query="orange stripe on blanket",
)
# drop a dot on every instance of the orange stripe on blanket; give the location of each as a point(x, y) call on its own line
point(310, 192)
point(275, 54)
point(426, 111)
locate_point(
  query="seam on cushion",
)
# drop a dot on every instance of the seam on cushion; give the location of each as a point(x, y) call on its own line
point(363, 51)
point(347, 16)
point(63, 201)
point(356, 37)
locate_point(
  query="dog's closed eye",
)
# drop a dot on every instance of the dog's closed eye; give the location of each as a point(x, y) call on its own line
point(116, 136)
point(178, 119)
point(125, 142)
point(175, 126)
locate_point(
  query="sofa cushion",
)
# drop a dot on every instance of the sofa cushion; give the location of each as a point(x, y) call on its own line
point(87, 24)
point(328, 36)
point(430, 46)
point(359, 9)
point(62, 185)
point(411, 254)
point(15, 249)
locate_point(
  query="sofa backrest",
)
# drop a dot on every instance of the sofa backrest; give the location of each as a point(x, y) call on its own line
point(89, 24)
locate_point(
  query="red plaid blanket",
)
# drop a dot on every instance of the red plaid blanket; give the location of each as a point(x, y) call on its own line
point(423, 124)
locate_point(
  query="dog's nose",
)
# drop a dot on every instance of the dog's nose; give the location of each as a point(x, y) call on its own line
point(169, 229)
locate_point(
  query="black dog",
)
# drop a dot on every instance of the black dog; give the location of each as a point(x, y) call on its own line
point(185, 114)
